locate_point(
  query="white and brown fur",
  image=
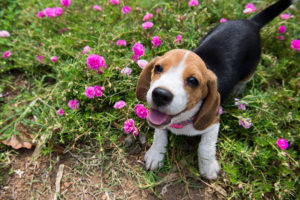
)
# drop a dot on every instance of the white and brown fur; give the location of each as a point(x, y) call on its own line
point(219, 65)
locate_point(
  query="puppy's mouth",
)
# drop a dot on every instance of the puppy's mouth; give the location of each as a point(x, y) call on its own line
point(157, 118)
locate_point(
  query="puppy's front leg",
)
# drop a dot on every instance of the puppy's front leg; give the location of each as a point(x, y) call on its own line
point(208, 165)
point(156, 153)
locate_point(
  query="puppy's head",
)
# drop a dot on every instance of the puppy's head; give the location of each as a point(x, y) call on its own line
point(176, 83)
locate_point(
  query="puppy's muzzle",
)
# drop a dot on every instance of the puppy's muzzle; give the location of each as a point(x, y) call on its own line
point(162, 97)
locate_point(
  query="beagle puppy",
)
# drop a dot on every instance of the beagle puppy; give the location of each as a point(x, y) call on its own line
point(184, 88)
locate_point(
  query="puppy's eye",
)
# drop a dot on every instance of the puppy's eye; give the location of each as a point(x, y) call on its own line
point(158, 69)
point(193, 82)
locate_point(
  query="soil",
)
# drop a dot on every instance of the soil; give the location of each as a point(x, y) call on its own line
point(39, 177)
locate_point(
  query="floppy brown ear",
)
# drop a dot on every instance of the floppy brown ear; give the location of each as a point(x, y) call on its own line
point(144, 81)
point(208, 113)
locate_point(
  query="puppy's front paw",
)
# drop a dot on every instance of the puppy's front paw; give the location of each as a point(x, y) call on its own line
point(153, 159)
point(209, 168)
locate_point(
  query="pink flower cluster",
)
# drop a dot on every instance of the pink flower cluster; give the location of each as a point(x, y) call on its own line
point(119, 104)
point(130, 128)
point(282, 143)
point(147, 25)
point(193, 3)
point(115, 2)
point(147, 16)
point(125, 10)
point(240, 104)
point(178, 38)
point(6, 54)
point(91, 92)
point(97, 7)
point(285, 16)
point(244, 122)
point(60, 111)
point(156, 41)
point(249, 8)
point(295, 44)
point(54, 58)
point(96, 62)
point(126, 71)
point(223, 20)
point(65, 3)
point(141, 111)
point(73, 104)
point(85, 50)
point(142, 63)
point(138, 50)
point(121, 43)
point(50, 12)
point(4, 33)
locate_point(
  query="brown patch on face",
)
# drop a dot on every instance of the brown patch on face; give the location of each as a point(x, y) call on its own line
point(195, 67)
point(170, 59)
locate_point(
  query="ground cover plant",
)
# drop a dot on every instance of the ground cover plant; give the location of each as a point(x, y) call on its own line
point(68, 75)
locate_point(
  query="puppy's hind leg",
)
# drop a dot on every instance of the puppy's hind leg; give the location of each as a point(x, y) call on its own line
point(240, 86)
point(208, 164)
point(155, 155)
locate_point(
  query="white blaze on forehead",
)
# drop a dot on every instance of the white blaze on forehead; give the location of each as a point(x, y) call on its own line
point(172, 80)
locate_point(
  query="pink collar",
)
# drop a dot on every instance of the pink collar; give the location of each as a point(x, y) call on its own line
point(182, 124)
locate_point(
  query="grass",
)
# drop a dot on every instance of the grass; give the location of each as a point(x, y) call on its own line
point(249, 158)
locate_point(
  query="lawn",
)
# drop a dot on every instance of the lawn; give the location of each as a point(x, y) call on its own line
point(91, 141)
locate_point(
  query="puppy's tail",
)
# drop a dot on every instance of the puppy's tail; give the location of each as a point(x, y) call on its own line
point(271, 12)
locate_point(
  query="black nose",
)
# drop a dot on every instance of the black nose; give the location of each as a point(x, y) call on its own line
point(161, 97)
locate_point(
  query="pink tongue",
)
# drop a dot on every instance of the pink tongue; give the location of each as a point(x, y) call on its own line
point(158, 118)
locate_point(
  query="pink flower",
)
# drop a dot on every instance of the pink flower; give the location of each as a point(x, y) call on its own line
point(115, 2)
point(4, 33)
point(6, 54)
point(98, 91)
point(281, 37)
point(73, 104)
point(95, 62)
point(89, 92)
point(156, 41)
point(40, 14)
point(135, 131)
point(241, 104)
point(138, 49)
point(158, 10)
point(58, 11)
point(40, 58)
point(121, 43)
point(193, 3)
point(147, 16)
point(282, 143)
point(118, 68)
point(60, 111)
point(142, 63)
point(125, 10)
point(141, 111)
point(178, 38)
point(249, 8)
point(244, 122)
point(128, 125)
point(53, 58)
point(285, 16)
point(221, 110)
point(119, 104)
point(240, 186)
point(97, 7)
point(53, 12)
point(295, 44)
point(147, 25)
point(86, 49)
point(222, 20)
point(126, 71)
point(281, 29)
point(65, 3)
